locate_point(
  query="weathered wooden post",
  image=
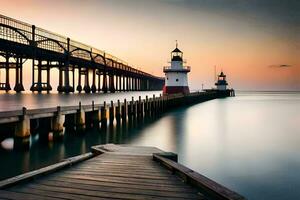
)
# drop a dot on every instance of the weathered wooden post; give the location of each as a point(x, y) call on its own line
point(161, 108)
point(58, 124)
point(111, 113)
point(103, 116)
point(124, 111)
point(80, 119)
point(95, 116)
point(154, 106)
point(139, 108)
point(22, 131)
point(146, 106)
point(131, 109)
point(118, 112)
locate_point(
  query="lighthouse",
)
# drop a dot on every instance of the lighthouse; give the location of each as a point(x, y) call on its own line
point(221, 82)
point(176, 80)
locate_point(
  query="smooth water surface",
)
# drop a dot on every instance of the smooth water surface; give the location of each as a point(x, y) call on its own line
point(249, 143)
point(13, 101)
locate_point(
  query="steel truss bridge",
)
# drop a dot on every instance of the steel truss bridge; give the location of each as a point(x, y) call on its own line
point(20, 42)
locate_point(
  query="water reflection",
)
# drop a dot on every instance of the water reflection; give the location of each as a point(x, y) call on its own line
point(249, 143)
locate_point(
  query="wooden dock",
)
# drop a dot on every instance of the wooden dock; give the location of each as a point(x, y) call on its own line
point(115, 172)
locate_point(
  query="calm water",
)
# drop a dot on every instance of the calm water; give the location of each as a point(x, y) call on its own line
point(249, 143)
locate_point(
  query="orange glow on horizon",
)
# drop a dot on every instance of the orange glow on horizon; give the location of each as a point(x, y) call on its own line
point(143, 33)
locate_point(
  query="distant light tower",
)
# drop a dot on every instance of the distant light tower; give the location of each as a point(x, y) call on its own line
point(221, 83)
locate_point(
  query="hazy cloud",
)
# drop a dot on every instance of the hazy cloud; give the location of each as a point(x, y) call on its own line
point(281, 66)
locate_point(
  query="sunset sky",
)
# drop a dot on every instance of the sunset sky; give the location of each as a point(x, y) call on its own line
point(256, 42)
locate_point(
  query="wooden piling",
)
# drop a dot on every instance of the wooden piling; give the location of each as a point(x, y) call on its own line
point(22, 131)
point(124, 111)
point(118, 112)
point(104, 115)
point(111, 113)
point(139, 108)
point(80, 119)
point(95, 118)
point(57, 124)
point(146, 106)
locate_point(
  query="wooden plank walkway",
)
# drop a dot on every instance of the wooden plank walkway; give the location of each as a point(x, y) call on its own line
point(119, 172)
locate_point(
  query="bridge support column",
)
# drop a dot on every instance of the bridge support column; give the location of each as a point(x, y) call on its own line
point(57, 124)
point(6, 86)
point(67, 88)
point(104, 83)
point(60, 79)
point(133, 84)
point(111, 83)
point(19, 76)
point(130, 83)
point(93, 88)
point(141, 83)
point(124, 83)
point(136, 84)
point(79, 87)
point(127, 83)
point(86, 88)
point(39, 86)
point(49, 87)
point(148, 85)
point(39, 83)
point(120, 83)
point(99, 81)
point(22, 131)
point(117, 83)
point(80, 120)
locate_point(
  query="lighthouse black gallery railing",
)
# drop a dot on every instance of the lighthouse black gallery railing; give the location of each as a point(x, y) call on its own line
point(20, 41)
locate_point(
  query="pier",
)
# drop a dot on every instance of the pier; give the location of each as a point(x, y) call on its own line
point(20, 42)
point(116, 172)
point(22, 123)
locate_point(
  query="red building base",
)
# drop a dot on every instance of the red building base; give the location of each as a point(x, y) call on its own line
point(176, 90)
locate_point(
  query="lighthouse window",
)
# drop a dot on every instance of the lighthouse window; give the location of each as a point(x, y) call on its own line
point(176, 79)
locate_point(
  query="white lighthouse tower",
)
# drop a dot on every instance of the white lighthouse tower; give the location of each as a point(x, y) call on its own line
point(221, 83)
point(176, 80)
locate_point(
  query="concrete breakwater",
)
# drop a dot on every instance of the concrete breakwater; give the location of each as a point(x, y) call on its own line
point(54, 121)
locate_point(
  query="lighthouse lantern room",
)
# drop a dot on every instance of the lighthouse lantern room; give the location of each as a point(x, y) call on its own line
point(176, 80)
point(221, 83)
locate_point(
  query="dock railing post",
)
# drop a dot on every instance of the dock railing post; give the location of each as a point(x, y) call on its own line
point(153, 106)
point(146, 107)
point(80, 119)
point(58, 124)
point(95, 116)
point(103, 116)
point(139, 108)
point(118, 112)
point(22, 131)
point(130, 108)
point(135, 104)
point(124, 112)
point(111, 113)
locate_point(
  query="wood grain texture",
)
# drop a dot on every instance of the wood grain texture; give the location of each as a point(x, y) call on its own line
point(115, 172)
